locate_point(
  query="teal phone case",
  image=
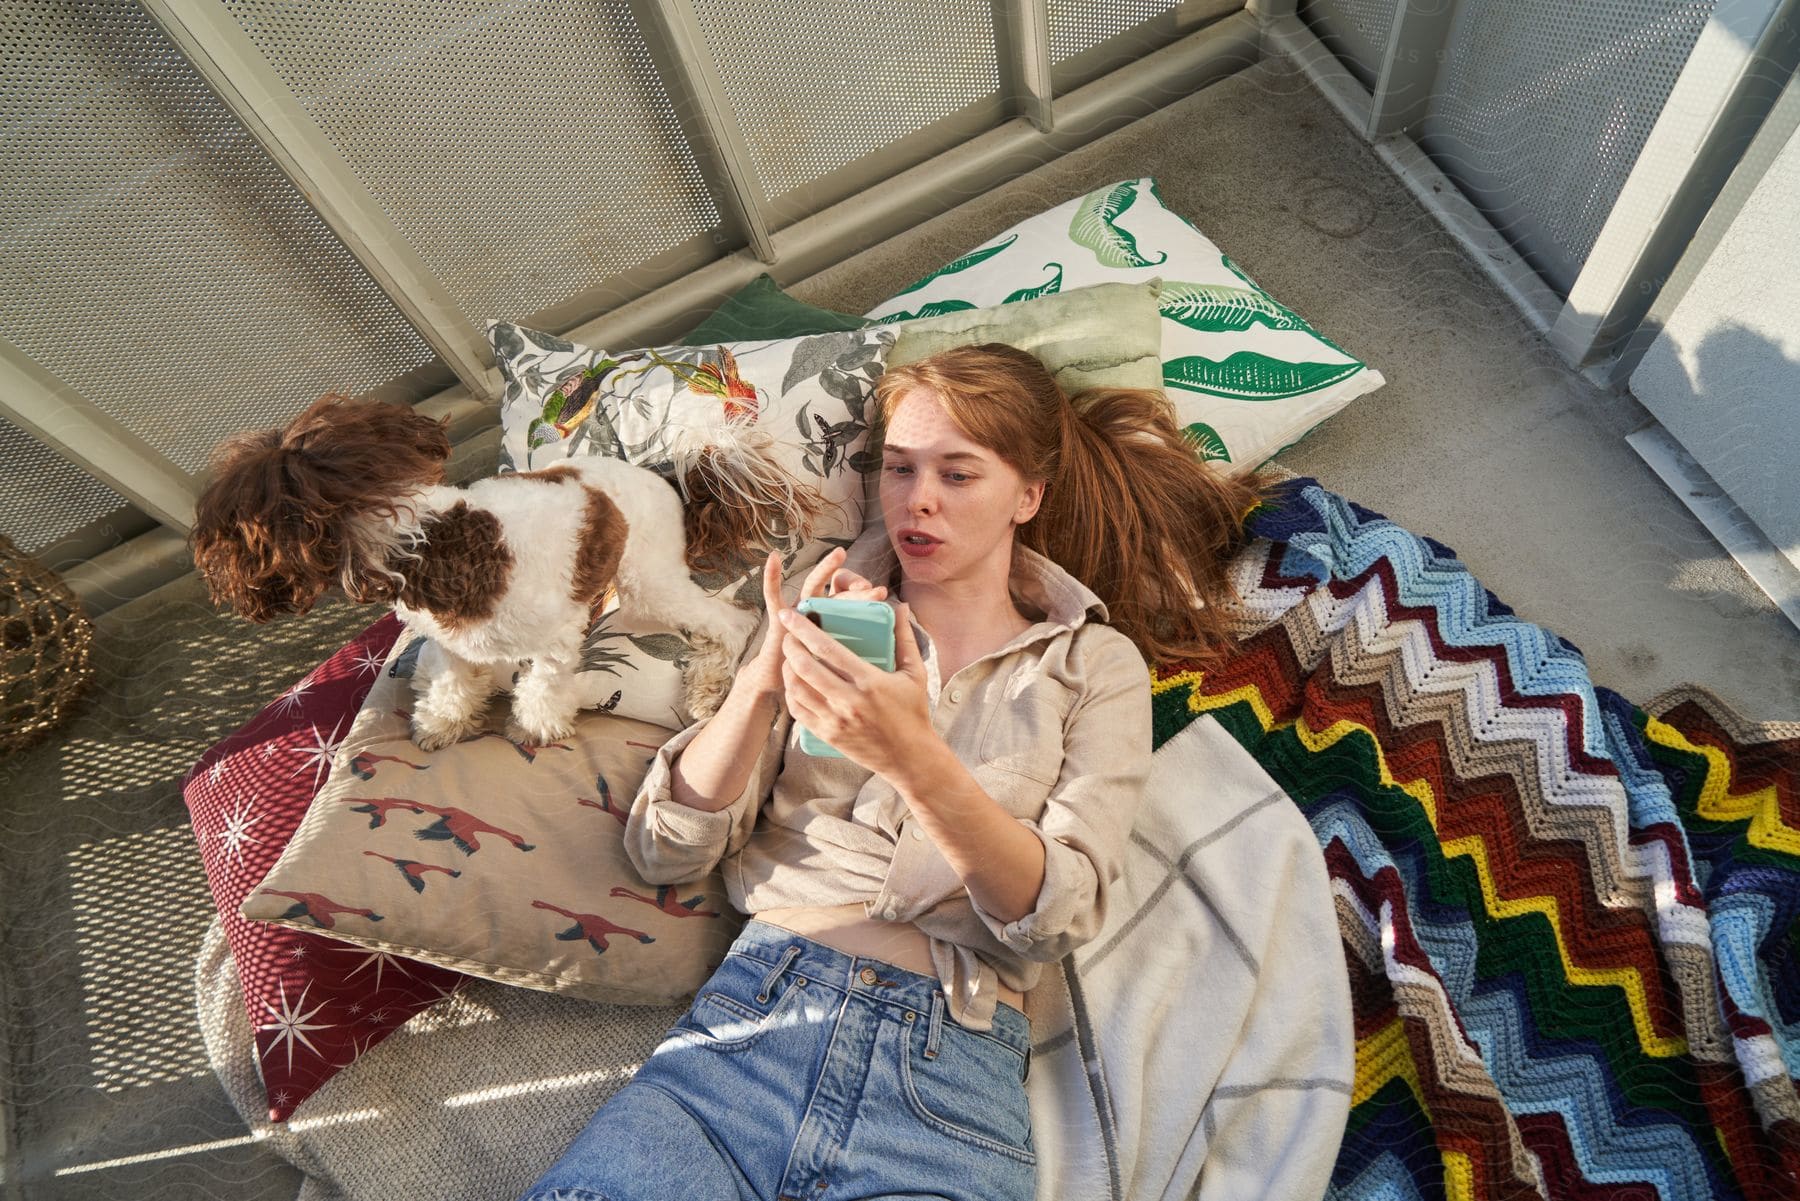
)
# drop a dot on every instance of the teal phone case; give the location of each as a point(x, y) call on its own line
point(866, 628)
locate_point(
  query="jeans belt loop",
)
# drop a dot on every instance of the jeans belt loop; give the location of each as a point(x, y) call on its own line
point(775, 974)
point(937, 1025)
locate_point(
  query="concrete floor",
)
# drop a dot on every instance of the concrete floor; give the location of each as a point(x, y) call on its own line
point(1481, 439)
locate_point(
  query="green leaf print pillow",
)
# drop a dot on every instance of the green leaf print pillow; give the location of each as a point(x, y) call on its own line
point(1247, 375)
point(564, 400)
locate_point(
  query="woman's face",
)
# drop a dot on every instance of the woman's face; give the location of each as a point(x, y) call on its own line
point(956, 492)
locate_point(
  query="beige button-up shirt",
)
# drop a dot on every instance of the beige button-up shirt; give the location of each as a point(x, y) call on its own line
point(1055, 726)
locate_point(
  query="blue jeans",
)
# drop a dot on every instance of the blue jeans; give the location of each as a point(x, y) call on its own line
point(801, 1073)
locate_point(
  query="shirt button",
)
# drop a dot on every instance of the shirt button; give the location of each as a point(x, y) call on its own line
point(918, 833)
point(867, 975)
point(955, 695)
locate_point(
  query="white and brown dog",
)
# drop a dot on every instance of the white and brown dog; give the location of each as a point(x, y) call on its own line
point(508, 569)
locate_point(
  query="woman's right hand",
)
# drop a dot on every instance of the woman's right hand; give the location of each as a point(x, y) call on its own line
point(827, 578)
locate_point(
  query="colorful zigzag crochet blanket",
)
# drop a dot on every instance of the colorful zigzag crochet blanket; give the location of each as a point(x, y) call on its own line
point(1572, 923)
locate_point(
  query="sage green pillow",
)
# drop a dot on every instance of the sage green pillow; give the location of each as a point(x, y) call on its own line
point(761, 312)
point(1104, 336)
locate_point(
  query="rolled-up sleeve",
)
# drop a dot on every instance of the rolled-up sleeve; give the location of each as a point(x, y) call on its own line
point(1086, 823)
point(672, 843)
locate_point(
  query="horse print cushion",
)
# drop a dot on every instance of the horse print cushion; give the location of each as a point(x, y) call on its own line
point(494, 858)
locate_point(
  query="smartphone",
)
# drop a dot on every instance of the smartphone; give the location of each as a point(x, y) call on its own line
point(866, 627)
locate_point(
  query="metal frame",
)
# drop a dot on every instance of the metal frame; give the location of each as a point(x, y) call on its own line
point(915, 195)
point(1738, 89)
point(1782, 124)
point(1745, 54)
point(231, 65)
point(804, 248)
point(678, 47)
point(73, 426)
point(1409, 68)
point(1022, 34)
point(1286, 34)
point(135, 569)
point(1741, 537)
point(905, 152)
point(1191, 15)
point(88, 542)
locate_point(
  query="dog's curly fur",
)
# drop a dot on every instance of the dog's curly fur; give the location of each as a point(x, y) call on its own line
point(510, 568)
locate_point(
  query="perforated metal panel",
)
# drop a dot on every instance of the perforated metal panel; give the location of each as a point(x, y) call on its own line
point(43, 496)
point(1077, 25)
point(1356, 30)
point(817, 84)
point(1542, 106)
point(525, 151)
point(150, 255)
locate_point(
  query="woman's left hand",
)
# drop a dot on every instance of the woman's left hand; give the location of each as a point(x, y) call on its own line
point(880, 719)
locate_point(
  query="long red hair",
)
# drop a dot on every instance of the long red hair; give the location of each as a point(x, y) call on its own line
point(1129, 510)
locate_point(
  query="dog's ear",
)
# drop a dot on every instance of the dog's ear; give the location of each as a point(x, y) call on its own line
point(247, 542)
point(740, 506)
point(288, 513)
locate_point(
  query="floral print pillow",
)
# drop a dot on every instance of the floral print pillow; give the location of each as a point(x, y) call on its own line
point(565, 400)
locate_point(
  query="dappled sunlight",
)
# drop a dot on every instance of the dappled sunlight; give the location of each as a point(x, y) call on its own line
point(102, 1165)
point(93, 767)
point(504, 1092)
point(452, 1013)
point(138, 908)
point(218, 1144)
point(320, 1122)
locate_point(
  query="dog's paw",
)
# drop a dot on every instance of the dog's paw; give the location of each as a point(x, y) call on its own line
point(704, 701)
point(708, 677)
point(429, 736)
point(533, 734)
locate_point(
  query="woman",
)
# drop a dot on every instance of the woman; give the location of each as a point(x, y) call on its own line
point(865, 1035)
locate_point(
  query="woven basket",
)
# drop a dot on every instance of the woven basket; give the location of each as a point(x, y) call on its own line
point(45, 640)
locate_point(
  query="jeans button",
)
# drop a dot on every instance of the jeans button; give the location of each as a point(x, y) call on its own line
point(867, 975)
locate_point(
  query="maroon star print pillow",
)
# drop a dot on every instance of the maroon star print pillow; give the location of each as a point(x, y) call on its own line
point(314, 1003)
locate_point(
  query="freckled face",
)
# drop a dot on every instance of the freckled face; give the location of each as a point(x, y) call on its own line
point(936, 480)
